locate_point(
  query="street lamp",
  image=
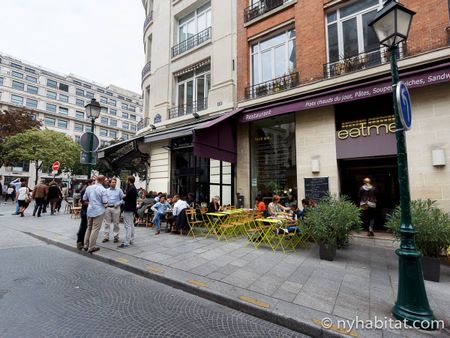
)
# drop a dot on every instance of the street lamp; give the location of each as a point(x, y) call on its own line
point(391, 25)
point(93, 109)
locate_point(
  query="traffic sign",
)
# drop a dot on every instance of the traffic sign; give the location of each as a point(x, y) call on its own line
point(85, 140)
point(404, 105)
point(55, 166)
point(84, 158)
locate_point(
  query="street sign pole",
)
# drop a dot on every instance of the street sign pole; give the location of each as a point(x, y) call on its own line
point(91, 143)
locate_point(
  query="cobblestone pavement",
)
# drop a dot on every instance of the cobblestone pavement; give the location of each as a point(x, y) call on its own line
point(48, 292)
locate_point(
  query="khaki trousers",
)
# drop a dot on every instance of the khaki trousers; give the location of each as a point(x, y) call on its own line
point(93, 227)
point(112, 215)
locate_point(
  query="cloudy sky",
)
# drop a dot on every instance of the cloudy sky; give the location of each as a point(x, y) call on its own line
point(100, 40)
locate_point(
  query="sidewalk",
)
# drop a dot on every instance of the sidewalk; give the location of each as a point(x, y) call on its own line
point(296, 290)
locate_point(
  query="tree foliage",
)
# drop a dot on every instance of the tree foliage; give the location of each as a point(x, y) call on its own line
point(43, 147)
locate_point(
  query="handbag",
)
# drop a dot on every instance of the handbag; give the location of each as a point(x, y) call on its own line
point(364, 206)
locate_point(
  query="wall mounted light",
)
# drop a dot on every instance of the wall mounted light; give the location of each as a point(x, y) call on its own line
point(438, 157)
point(315, 165)
point(153, 126)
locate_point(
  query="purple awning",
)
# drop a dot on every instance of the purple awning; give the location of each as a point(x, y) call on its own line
point(216, 139)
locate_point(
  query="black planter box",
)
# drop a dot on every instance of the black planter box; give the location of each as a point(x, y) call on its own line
point(327, 252)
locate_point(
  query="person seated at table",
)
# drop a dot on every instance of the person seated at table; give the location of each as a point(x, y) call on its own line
point(159, 210)
point(178, 212)
point(275, 207)
point(145, 205)
point(214, 205)
point(296, 212)
point(261, 206)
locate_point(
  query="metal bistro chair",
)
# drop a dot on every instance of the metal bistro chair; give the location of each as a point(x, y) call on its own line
point(191, 217)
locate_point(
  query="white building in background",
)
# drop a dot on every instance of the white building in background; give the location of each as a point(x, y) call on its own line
point(58, 100)
point(189, 77)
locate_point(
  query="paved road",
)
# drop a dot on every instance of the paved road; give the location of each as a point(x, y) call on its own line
point(49, 292)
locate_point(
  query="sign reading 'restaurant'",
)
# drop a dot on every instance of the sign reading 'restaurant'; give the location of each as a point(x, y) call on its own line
point(412, 81)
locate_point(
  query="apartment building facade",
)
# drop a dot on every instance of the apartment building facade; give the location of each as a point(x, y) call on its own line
point(58, 100)
point(315, 95)
point(189, 78)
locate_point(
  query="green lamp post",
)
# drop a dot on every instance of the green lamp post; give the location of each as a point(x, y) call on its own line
point(93, 110)
point(391, 25)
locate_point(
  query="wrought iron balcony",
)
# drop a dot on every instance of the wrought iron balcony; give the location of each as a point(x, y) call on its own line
point(359, 62)
point(276, 85)
point(192, 42)
point(186, 109)
point(148, 20)
point(262, 7)
point(146, 70)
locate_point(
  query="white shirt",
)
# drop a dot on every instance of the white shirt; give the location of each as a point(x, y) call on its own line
point(23, 193)
point(178, 206)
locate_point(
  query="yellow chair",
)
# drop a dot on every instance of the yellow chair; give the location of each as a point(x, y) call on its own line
point(191, 217)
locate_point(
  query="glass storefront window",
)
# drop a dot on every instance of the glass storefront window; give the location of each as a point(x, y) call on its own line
point(273, 158)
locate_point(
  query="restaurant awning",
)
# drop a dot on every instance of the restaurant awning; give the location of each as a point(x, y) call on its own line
point(216, 139)
point(119, 154)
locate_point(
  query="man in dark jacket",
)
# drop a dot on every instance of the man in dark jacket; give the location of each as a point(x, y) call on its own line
point(39, 195)
point(129, 208)
point(83, 216)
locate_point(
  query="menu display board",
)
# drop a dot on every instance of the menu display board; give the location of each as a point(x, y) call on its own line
point(316, 187)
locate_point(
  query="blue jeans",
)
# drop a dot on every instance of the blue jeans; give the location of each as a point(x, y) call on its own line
point(17, 207)
point(157, 221)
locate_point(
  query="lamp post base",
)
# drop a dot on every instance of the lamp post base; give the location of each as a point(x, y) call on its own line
point(412, 302)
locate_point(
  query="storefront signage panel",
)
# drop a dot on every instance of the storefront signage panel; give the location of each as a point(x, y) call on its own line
point(412, 81)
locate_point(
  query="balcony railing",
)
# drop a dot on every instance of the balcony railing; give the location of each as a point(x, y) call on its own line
point(148, 19)
point(146, 70)
point(262, 7)
point(186, 109)
point(359, 62)
point(276, 85)
point(192, 42)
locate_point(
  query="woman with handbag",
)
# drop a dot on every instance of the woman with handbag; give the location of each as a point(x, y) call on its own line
point(23, 197)
point(368, 204)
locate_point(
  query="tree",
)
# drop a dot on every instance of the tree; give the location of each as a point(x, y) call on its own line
point(43, 148)
point(13, 121)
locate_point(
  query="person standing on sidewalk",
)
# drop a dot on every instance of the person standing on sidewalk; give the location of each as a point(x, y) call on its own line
point(159, 209)
point(17, 183)
point(39, 194)
point(112, 213)
point(129, 209)
point(83, 216)
point(98, 201)
point(368, 204)
point(53, 196)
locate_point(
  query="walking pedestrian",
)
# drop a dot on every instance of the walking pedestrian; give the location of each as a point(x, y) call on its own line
point(129, 209)
point(17, 183)
point(83, 216)
point(112, 213)
point(98, 201)
point(10, 193)
point(39, 194)
point(23, 198)
point(53, 196)
point(159, 210)
point(368, 204)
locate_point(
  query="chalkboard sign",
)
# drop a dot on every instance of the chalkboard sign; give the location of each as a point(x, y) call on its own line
point(316, 187)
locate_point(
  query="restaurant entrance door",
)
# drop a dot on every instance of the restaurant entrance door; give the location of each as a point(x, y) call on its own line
point(383, 173)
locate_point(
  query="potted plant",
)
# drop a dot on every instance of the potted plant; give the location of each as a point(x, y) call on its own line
point(432, 234)
point(330, 224)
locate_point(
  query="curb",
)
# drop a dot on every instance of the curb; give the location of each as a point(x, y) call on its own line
point(285, 321)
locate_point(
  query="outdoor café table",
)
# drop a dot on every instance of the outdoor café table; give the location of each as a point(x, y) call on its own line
point(269, 232)
point(215, 219)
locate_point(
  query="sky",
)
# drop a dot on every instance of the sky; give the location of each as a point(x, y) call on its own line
point(99, 40)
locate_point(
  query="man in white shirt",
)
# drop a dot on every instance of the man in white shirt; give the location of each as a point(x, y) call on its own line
point(98, 201)
point(180, 205)
point(112, 213)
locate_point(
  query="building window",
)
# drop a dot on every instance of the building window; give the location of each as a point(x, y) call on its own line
point(125, 136)
point(133, 117)
point(100, 90)
point(48, 121)
point(104, 120)
point(192, 90)
point(51, 107)
point(77, 139)
point(79, 92)
point(112, 102)
point(103, 100)
point(31, 78)
point(51, 95)
point(15, 65)
point(52, 83)
point(79, 102)
point(1, 81)
point(273, 57)
point(113, 122)
point(109, 93)
point(124, 106)
point(348, 32)
point(17, 100)
point(62, 124)
point(79, 115)
point(113, 112)
point(31, 103)
point(17, 74)
point(194, 23)
point(63, 110)
point(86, 86)
point(18, 85)
point(63, 87)
point(78, 127)
point(32, 89)
point(133, 127)
point(63, 98)
point(89, 95)
point(113, 134)
point(124, 115)
point(78, 83)
point(30, 70)
point(103, 132)
point(132, 108)
point(125, 125)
